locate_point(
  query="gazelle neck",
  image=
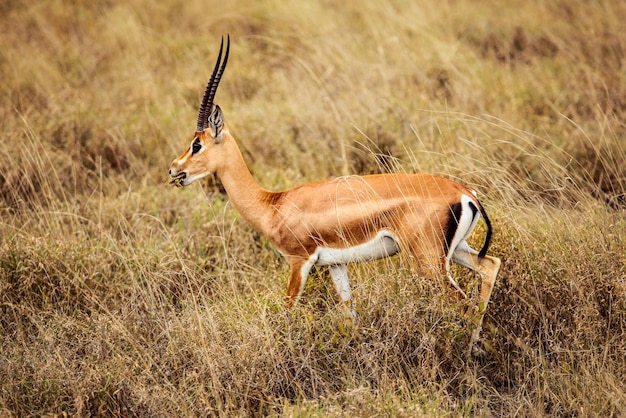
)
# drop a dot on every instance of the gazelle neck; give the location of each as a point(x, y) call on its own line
point(249, 198)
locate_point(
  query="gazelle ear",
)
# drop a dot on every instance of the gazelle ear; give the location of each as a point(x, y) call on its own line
point(216, 123)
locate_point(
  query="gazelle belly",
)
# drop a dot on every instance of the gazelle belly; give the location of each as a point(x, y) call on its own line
point(384, 244)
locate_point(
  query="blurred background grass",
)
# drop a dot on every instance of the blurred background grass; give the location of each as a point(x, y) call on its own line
point(121, 296)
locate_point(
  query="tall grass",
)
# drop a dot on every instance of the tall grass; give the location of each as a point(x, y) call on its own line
point(120, 296)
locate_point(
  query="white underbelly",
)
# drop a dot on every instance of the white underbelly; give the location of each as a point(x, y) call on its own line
point(384, 244)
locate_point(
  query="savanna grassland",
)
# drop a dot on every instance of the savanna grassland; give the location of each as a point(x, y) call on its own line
point(121, 296)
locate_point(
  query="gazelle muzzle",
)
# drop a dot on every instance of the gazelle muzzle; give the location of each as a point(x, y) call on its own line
point(178, 179)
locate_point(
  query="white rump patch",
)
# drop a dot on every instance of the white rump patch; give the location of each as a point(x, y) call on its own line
point(466, 224)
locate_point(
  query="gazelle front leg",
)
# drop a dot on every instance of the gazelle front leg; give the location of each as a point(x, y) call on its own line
point(300, 269)
point(339, 274)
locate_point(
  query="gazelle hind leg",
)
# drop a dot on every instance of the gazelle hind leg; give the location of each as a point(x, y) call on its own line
point(488, 268)
point(453, 282)
point(339, 274)
point(466, 217)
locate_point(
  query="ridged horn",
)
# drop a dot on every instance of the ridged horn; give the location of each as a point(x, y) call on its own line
point(206, 107)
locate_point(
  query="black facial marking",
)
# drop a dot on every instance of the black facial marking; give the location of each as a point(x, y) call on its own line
point(196, 146)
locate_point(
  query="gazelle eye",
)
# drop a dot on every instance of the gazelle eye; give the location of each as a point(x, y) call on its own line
point(196, 146)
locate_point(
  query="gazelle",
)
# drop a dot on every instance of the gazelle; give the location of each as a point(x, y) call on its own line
point(346, 220)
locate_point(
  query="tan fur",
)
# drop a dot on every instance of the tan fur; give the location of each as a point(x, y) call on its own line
point(340, 213)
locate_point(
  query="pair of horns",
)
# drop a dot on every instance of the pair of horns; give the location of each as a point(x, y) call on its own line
point(206, 107)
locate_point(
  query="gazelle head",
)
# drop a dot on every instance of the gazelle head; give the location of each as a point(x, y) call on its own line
point(202, 156)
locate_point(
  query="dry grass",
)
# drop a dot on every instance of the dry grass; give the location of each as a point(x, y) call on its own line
point(120, 296)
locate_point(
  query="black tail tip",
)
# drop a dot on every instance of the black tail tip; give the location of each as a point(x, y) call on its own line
point(483, 251)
